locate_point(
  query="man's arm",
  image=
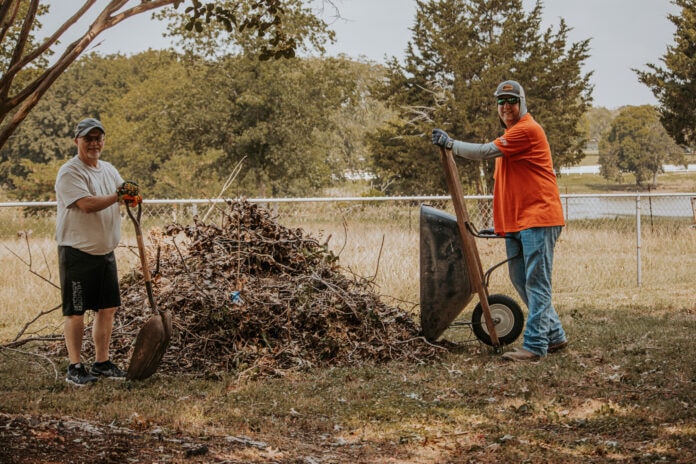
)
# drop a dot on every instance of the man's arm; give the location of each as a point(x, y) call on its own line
point(93, 204)
point(476, 151)
point(471, 151)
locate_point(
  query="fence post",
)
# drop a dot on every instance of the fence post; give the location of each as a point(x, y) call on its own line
point(638, 234)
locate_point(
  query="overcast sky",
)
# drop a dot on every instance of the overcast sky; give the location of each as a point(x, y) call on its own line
point(624, 34)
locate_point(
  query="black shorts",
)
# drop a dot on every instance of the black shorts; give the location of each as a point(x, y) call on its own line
point(87, 282)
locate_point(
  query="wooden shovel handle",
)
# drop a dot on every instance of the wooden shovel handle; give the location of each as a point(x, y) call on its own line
point(141, 252)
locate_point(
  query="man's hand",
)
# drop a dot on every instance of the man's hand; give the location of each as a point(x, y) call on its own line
point(129, 192)
point(441, 139)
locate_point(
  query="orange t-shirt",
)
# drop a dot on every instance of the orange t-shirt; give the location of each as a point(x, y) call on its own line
point(525, 193)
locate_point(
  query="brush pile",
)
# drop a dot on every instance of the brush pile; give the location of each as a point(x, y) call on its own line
point(253, 296)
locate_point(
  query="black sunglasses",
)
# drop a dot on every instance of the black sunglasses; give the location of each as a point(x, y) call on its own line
point(510, 100)
point(93, 138)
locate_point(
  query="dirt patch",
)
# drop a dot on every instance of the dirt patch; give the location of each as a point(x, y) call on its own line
point(28, 439)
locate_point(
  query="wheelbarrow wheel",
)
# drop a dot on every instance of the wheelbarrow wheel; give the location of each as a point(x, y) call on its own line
point(507, 317)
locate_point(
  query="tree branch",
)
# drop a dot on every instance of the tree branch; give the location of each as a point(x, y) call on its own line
point(32, 93)
point(41, 49)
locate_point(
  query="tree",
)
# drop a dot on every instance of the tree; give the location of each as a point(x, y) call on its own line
point(675, 86)
point(88, 87)
point(594, 124)
point(216, 41)
point(180, 125)
point(637, 143)
point(460, 50)
point(25, 78)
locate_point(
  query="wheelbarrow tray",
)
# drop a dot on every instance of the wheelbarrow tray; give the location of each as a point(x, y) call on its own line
point(445, 284)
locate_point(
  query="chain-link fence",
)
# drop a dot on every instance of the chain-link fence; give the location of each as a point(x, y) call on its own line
point(650, 213)
point(610, 210)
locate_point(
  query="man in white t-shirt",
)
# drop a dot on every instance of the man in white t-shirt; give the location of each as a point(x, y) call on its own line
point(88, 229)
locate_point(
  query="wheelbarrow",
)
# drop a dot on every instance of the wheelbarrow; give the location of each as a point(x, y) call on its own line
point(153, 339)
point(451, 273)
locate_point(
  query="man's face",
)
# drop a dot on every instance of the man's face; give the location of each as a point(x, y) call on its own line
point(89, 146)
point(509, 109)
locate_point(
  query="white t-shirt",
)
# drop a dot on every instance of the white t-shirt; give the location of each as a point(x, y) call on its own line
point(94, 233)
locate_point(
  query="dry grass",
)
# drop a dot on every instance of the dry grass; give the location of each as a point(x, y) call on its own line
point(623, 392)
point(30, 285)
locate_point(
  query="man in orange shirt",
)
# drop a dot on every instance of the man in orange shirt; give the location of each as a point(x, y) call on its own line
point(526, 207)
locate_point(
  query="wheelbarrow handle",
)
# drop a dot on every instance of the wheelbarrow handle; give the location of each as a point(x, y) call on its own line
point(471, 255)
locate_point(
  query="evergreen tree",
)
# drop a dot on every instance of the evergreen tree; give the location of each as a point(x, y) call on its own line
point(459, 52)
point(675, 86)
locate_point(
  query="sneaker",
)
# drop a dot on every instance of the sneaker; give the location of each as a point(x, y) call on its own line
point(78, 375)
point(107, 369)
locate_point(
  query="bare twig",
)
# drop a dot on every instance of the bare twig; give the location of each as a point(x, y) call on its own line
point(41, 314)
point(379, 258)
point(25, 234)
point(24, 341)
point(233, 175)
point(38, 355)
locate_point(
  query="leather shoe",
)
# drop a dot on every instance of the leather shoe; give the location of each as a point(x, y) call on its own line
point(520, 354)
point(557, 346)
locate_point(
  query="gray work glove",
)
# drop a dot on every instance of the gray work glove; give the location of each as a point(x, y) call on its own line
point(441, 139)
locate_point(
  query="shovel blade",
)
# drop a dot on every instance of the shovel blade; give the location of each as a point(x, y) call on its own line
point(150, 345)
point(445, 284)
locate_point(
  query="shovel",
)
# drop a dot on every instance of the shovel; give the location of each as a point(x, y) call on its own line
point(153, 338)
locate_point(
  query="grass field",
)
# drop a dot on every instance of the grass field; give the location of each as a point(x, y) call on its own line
point(623, 392)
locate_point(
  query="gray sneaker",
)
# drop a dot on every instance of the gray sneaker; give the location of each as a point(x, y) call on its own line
point(78, 375)
point(107, 369)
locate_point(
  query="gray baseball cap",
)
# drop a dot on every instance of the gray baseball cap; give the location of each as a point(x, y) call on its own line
point(83, 127)
point(514, 89)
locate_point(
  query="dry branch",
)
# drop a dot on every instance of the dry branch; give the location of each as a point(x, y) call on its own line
point(297, 309)
point(256, 298)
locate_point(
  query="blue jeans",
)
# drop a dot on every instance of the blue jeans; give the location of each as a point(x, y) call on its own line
point(530, 274)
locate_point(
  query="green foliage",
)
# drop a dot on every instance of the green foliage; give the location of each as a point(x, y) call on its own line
point(26, 74)
point(85, 89)
point(637, 143)
point(675, 85)
point(460, 50)
point(36, 183)
point(268, 29)
point(12, 28)
point(180, 125)
point(263, 18)
point(283, 121)
point(185, 176)
point(594, 124)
